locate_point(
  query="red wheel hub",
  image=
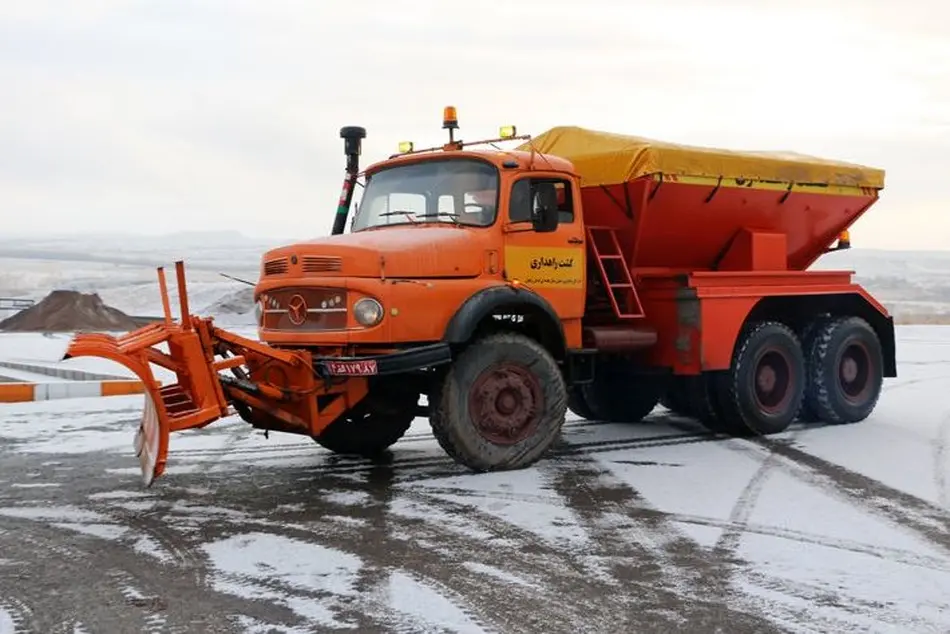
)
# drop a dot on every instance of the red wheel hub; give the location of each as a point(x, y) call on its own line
point(773, 381)
point(854, 372)
point(506, 403)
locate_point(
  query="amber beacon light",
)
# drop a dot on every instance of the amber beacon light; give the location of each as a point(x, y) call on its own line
point(450, 119)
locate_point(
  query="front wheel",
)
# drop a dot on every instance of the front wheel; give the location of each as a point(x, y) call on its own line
point(374, 425)
point(501, 405)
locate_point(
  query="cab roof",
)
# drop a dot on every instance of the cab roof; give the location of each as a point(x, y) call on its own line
point(525, 159)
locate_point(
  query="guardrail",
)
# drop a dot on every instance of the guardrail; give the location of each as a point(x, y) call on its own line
point(15, 303)
point(25, 392)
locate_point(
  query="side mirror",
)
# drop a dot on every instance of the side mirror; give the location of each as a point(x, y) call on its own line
point(544, 214)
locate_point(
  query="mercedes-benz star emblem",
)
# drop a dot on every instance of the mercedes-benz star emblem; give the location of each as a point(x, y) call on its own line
point(297, 310)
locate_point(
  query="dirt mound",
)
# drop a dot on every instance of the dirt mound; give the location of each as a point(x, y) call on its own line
point(66, 311)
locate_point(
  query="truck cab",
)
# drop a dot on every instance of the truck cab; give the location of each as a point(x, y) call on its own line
point(432, 231)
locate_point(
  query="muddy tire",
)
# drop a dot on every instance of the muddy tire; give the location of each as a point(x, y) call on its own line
point(501, 404)
point(620, 395)
point(371, 427)
point(578, 404)
point(703, 402)
point(764, 387)
point(845, 366)
point(807, 414)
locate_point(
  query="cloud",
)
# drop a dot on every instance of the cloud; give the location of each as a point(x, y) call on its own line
point(201, 115)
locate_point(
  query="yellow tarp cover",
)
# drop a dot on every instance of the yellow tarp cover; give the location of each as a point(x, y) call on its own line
point(604, 158)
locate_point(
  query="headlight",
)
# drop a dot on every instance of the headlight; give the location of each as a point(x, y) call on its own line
point(259, 311)
point(368, 312)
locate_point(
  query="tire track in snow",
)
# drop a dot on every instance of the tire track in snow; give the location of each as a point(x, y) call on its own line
point(814, 593)
point(15, 613)
point(941, 459)
point(906, 511)
point(436, 464)
point(676, 580)
point(420, 545)
point(722, 564)
point(94, 576)
point(907, 557)
point(738, 520)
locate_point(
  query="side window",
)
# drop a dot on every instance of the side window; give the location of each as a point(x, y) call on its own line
point(519, 208)
point(522, 199)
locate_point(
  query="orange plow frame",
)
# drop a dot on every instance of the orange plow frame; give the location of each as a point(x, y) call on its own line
point(270, 388)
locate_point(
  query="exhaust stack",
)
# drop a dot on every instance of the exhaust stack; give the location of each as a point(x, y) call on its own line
point(352, 146)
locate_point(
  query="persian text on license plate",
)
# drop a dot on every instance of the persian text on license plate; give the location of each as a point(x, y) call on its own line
point(352, 368)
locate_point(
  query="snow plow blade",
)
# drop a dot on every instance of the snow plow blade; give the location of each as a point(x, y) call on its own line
point(169, 408)
point(196, 352)
point(194, 400)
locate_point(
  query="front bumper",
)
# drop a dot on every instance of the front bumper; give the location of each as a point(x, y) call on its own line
point(401, 362)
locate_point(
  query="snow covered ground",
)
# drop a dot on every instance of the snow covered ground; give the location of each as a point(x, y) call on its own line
point(650, 527)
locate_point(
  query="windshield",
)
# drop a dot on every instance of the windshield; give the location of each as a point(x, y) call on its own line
point(455, 191)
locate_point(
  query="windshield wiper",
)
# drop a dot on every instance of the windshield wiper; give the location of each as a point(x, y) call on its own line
point(454, 217)
point(408, 214)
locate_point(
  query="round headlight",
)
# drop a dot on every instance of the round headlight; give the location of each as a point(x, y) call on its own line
point(368, 312)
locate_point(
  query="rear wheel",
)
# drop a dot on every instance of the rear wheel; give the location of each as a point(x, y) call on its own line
point(618, 394)
point(764, 386)
point(501, 405)
point(845, 371)
point(676, 396)
point(807, 414)
point(375, 424)
point(703, 395)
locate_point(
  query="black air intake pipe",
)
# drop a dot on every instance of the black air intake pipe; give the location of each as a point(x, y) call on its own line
point(352, 145)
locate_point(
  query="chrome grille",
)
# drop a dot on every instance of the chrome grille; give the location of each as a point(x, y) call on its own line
point(275, 267)
point(304, 309)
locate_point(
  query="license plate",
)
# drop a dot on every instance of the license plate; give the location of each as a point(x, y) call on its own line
point(352, 368)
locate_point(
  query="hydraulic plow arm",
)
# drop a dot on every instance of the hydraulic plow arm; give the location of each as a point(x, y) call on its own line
point(272, 389)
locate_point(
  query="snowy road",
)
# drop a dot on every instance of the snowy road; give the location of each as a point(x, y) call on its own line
point(642, 528)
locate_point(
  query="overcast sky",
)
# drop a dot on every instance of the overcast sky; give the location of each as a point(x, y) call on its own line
point(167, 115)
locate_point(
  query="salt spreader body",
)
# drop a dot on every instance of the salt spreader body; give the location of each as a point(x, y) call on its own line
point(581, 269)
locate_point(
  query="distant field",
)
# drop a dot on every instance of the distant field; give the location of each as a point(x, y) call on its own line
point(922, 320)
point(914, 286)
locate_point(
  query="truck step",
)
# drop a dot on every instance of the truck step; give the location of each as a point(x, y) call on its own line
point(178, 402)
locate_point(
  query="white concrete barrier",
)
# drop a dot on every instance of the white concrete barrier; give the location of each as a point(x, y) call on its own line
point(20, 392)
point(61, 372)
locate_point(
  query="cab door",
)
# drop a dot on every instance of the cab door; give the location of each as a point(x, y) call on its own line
point(552, 264)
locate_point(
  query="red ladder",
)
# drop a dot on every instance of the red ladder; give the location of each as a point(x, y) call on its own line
point(614, 272)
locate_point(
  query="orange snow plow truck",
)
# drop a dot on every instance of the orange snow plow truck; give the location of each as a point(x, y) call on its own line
point(577, 270)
